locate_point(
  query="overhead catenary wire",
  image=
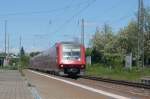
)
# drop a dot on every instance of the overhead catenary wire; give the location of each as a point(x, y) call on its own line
point(121, 19)
point(72, 17)
point(86, 3)
point(45, 11)
point(107, 11)
point(65, 7)
point(50, 11)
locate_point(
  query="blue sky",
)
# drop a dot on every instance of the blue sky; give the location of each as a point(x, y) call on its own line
point(41, 23)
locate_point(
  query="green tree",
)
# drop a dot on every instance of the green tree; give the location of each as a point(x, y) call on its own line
point(24, 59)
point(97, 43)
point(22, 52)
point(104, 44)
point(32, 54)
point(109, 48)
point(147, 36)
point(128, 40)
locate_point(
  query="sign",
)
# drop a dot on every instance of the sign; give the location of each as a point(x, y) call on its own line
point(128, 61)
point(88, 60)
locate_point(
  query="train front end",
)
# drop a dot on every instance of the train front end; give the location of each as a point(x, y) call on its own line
point(72, 59)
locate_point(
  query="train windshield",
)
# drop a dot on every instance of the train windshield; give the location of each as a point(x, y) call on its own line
point(71, 52)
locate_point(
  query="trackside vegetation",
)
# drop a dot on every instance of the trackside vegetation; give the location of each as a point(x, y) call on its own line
point(108, 49)
point(117, 73)
point(111, 47)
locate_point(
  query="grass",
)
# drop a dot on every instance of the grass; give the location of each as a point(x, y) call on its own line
point(118, 73)
point(21, 72)
point(9, 67)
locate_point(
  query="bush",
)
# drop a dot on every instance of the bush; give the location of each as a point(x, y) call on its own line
point(117, 72)
point(24, 61)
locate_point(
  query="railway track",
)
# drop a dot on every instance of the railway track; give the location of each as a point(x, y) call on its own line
point(121, 82)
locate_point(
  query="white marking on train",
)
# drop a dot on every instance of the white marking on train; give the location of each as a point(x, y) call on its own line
point(84, 86)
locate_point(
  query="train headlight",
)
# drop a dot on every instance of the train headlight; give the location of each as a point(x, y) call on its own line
point(61, 66)
point(82, 66)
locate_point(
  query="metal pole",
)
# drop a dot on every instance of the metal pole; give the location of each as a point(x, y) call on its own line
point(20, 41)
point(5, 38)
point(105, 37)
point(8, 44)
point(138, 52)
point(82, 32)
point(142, 30)
point(141, 33)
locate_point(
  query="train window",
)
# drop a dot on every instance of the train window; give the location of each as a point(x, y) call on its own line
point(71, 52)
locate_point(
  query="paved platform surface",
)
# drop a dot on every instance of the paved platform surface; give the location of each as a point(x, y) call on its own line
point(13, 86)
point(49, 88)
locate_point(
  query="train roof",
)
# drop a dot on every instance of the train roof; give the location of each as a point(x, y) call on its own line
point(64, 42)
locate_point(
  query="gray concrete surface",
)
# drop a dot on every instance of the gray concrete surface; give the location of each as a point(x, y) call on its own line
point(13, 86)
point(50, 88)
point(53, 89)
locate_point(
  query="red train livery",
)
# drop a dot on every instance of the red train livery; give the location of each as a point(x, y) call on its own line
point(64, 58)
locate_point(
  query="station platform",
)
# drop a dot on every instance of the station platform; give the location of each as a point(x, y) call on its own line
point(13, 86)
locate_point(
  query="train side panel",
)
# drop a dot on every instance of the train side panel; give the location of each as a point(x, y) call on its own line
point(46, 61)
point(64, 59)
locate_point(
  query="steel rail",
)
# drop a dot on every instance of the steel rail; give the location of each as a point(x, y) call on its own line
point(120, 82)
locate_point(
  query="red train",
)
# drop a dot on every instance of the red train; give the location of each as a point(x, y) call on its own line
point(64, 58)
